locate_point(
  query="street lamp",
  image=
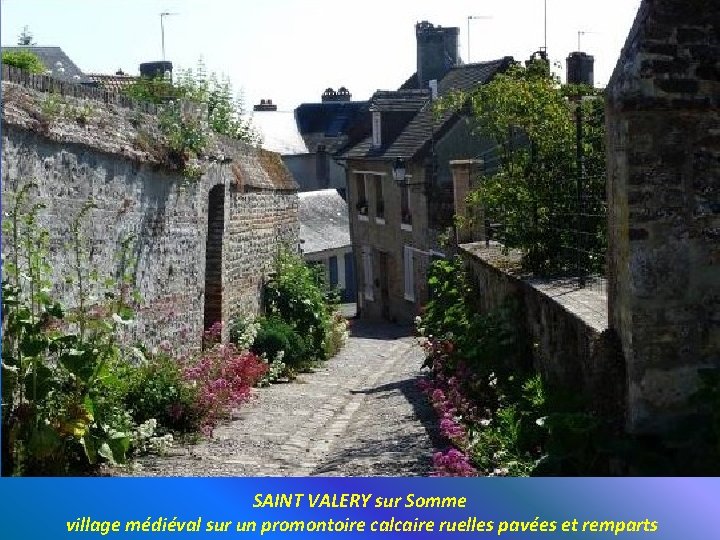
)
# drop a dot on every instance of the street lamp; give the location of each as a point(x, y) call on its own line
point(162, 29)
point(472, 18)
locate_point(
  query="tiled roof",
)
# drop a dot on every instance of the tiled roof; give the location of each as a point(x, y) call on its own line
point(324, 222)
point(114, 83)
point(419, 131)
point(50, 56)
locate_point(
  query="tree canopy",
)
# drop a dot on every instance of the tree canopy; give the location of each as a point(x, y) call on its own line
point(544, 182)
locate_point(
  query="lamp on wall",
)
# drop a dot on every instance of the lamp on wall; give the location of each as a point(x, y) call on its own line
point(399, 171)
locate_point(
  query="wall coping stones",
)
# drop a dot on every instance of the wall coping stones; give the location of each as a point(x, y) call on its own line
point(588, 304)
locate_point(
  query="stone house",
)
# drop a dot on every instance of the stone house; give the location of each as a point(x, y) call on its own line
point(307, 139)
point(399, 180)
point(327, 128)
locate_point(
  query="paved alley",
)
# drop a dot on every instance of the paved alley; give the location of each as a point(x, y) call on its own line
point(358, 414)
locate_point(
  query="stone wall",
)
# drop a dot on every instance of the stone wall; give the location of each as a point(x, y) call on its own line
point(565, 326)
point(663, 109)
point(84, 149)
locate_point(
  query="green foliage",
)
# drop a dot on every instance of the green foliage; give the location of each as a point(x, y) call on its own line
point(225, 110)
point(450, 314)
point(157, 390)
point(516, 423)
point(61, 407)
point(25, 60)
point(156, 90)
point(195, 105)
point(275, 336)
point(532, 181)
point(296, 294)
point(185, 136)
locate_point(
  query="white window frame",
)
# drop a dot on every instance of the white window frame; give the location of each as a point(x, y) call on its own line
point(409, 273)
point(342, 284)
point(368, 292)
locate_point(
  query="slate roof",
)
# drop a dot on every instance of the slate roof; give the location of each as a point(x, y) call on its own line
point(332, 123)
point(324, 222)
point(399, 100)
point(416, 136)
point(113, 83)
point(279, 132)
point(50, 56)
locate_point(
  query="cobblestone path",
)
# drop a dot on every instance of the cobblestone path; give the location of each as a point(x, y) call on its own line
point(359, 414)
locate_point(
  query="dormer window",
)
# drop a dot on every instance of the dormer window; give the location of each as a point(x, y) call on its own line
point(376, 130)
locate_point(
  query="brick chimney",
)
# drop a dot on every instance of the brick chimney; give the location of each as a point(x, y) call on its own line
point(437, 51)
point(265, 105)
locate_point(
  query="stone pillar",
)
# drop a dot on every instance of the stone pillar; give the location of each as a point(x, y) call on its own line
point(663, 148)
point(463, 171)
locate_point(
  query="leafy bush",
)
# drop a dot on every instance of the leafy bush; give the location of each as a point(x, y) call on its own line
point(24, 60)
point(296, 294)
point(275, 336)
point(337, 335)
point(158, 391)
point(156, 90)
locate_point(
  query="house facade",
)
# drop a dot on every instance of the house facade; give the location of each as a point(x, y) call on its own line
point(400, 191)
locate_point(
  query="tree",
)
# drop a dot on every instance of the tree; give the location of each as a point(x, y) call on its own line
point(544, 182)
point(26, 38)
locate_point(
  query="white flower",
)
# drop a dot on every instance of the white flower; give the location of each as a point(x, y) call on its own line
point(541, 421)
point(119, 320)
point(485, 422)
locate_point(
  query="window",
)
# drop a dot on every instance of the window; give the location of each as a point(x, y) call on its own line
point(405, 214)
point(333, 271)
point(409, 273)
point(367, 273)
point(379, 199)
point(376, 127)
point(362, 203)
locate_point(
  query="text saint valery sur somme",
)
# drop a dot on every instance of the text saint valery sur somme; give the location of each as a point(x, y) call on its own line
point(353, 500)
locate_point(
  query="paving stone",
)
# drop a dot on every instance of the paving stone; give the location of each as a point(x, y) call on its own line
point(359, 415)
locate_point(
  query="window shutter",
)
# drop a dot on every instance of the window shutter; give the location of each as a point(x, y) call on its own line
point(409, 274)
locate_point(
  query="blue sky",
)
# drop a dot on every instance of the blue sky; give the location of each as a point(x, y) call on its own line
point(291, 50)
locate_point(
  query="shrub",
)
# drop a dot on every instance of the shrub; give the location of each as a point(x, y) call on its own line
point(337, 334)
point(296, 294)
point(275, 336)
point(24, 60)
point(157, 390)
